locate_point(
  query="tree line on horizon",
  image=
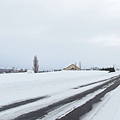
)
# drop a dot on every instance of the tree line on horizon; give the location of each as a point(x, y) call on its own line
point(36, 68)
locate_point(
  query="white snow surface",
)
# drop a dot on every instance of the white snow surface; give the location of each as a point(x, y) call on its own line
point(16, 87)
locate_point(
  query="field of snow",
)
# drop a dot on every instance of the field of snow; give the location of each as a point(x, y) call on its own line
point(55, 86)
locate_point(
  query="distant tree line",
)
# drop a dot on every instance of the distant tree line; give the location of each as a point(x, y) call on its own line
point(110, 69)
point(12, 70)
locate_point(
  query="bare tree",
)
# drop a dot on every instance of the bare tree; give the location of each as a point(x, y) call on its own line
point(35, 64)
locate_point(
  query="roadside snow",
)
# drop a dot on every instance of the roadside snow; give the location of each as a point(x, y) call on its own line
point(56, 85)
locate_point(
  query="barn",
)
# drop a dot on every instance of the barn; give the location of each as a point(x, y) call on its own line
point(72, 67)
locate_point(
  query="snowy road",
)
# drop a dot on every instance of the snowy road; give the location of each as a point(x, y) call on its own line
point(63, 104)
point(78, 112)
point(70, 100)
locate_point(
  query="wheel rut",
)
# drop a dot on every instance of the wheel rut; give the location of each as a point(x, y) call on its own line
point(20, 103)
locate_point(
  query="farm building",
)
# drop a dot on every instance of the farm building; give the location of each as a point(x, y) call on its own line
point(72, 67)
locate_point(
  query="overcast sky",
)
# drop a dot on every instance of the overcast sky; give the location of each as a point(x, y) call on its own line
point(59, 32)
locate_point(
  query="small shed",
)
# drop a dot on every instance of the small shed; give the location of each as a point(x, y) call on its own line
point(72, 67)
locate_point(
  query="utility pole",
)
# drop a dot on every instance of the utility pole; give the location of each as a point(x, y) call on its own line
point(80, 65)
point(75, 65)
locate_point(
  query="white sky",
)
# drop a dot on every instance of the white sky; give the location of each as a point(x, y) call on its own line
point(59, 32)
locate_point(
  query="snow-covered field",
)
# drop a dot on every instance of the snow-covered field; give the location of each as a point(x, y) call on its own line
point(55, 86)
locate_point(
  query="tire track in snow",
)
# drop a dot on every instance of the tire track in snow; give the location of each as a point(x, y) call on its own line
point(94, 83)
point(44, 111)
point(17, 104)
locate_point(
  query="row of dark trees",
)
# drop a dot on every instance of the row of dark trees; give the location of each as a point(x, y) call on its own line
point(110, 69)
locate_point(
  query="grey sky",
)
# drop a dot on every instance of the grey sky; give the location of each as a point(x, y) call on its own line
point(59, 32)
